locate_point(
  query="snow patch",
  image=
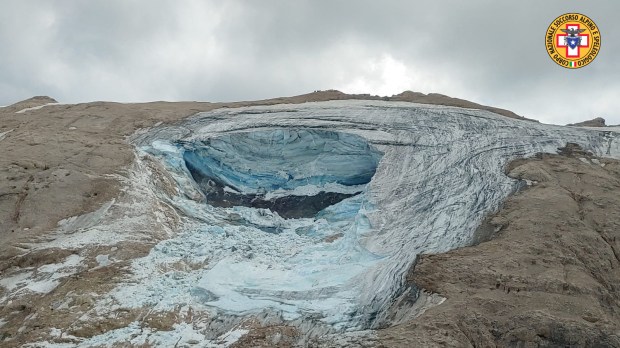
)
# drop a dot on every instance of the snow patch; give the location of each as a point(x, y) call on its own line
point(36, 108)
point(313, 190)
point(15, 281)
point(102, 260)
point(49, 276)
point(44, 279)
point(4, 134)
point(71, 261)
point(135, 334)
point(233, 336)
point(48, 344)
point(85, 221)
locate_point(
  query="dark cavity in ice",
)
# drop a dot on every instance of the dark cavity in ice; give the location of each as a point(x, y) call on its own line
point(275, 169)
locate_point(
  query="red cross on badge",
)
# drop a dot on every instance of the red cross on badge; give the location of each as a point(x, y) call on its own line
point(573, 51)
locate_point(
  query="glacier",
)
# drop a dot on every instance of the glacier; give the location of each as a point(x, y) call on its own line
point(415, 179)
point(311, 214)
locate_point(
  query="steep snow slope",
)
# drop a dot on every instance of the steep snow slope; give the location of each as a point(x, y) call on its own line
point(386, 180)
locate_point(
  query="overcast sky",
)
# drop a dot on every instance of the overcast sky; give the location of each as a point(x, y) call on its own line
point(487, 51)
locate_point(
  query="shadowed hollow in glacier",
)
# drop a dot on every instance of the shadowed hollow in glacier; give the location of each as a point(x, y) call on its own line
point(276, 215)
point(296, 173)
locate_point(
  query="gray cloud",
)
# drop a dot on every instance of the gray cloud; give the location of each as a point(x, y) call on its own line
point(486, 51)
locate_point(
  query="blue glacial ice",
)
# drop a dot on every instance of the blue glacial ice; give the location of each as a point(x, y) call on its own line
point(295, 173)
point(258, 260)
point(413, 179)
point(283, 159)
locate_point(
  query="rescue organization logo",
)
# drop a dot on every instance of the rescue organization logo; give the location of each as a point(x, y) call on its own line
point(573, 40)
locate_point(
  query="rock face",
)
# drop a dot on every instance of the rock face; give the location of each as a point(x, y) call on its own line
point(30, 103)
point(440, 99)
point(151, 261)
point(409, 96)
point(595, 122)
point(550, 275)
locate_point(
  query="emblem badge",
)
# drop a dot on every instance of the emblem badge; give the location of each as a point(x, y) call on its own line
point(573, 40)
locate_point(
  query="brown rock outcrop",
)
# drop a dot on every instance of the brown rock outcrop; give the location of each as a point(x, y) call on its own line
point(595, 122)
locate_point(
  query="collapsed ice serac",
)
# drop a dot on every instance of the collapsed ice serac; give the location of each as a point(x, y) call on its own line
point(314, 213)
point(295, 173)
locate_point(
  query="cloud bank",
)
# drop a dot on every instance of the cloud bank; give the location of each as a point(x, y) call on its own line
point(486, 51)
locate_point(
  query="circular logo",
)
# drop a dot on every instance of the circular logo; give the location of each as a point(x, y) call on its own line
point(573, 40)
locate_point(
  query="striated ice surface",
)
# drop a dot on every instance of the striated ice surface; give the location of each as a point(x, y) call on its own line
point(283, 159)
point(416, 179)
